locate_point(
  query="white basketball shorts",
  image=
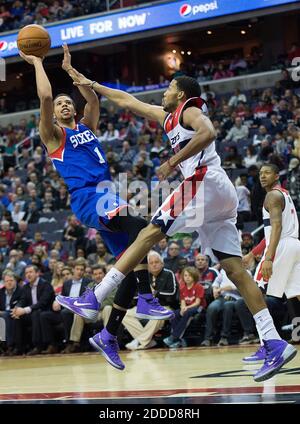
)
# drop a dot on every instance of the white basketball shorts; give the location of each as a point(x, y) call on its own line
point(207, 203)
point(286, 270)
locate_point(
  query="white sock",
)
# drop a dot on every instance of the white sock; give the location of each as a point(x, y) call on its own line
point(259, 335)
point(265, 325)
point(111, 281)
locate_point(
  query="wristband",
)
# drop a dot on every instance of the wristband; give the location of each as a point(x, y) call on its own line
point(269, 260)
point(94, 82)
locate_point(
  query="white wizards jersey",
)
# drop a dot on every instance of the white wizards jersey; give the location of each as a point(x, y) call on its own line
point(290, 224)
point(179, 137)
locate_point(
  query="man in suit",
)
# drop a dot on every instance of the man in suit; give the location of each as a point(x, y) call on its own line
point(51, 318)
point(37, 296)
point(9, 297)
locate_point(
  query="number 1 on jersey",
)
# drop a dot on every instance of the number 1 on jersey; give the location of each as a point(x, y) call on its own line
point(101, 158)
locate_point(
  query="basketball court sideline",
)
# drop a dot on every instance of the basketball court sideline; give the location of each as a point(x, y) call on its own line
point(182, 376)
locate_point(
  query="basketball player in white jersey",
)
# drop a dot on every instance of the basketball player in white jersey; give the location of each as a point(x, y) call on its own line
point(279, 268)
point(205, 201)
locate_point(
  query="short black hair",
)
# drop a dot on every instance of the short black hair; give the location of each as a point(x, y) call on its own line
point(274, 167)
point(189, 86)
point(64, 94)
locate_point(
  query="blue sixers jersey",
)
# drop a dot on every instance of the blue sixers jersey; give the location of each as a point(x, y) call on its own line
point(80, 159)
point(81, 162)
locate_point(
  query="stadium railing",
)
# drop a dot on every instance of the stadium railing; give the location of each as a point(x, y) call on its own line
point(28, 140)
point(227, 85)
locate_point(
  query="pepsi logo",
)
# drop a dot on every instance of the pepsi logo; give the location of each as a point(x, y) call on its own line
point(3, 46)
point(185, 10)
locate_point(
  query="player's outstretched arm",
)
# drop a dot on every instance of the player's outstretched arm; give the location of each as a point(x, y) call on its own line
point(49, 133)
point(92, 107)
point(125, 100)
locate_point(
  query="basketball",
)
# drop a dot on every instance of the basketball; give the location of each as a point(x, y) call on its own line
point(34, 40)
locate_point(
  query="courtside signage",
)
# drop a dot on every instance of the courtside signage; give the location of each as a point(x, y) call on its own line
point(138, 20)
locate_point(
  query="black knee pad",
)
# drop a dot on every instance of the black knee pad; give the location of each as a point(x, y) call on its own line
point(132, 225)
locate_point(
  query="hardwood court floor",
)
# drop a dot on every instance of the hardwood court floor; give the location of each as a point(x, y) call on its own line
point(192, 375)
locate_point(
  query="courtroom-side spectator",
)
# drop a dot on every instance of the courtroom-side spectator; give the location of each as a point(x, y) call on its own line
point(165, 288)
point(37, 296)
point(239, 131)
point(192, 301)
point(9, 296)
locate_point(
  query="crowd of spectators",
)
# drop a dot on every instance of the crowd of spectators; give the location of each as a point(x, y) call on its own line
point(44, 250)
point(16, 14)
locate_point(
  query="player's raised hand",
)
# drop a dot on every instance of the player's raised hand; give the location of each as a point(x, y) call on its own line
point(66, 63)
point(81, 81)
point(30, 58)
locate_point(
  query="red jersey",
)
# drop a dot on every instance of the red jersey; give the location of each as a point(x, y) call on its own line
point(190, 295)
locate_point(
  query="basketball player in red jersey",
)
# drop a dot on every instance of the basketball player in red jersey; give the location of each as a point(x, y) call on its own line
point(205, 201)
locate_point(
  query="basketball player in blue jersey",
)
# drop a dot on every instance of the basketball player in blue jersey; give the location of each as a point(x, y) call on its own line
point(205, 201)
point(78, 157)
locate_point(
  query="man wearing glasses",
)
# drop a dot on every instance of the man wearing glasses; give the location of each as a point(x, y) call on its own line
point(173, 259)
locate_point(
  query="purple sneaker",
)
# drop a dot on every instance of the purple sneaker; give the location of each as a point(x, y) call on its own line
point(279, 352)
point(148, 307)
point(108, 346)
point(86, 306)
point(259, 356)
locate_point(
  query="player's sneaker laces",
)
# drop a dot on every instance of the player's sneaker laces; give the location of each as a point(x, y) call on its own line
point(259, 356)
point(108, 346)
point(87, 305)
point(279, 352)
point(148, 307)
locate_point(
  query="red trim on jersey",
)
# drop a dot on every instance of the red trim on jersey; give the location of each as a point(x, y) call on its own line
point(278, 187)
point(115, 212)
point(58, 153)
point(173, 119)
point(168, 123)
point(258, 250)
point(187, 191)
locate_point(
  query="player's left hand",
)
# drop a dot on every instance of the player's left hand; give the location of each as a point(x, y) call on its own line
point(267, 270)
point(66, 64)
point(164, 171)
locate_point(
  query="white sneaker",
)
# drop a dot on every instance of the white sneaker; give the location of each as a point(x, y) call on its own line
point(133, 345)
point(151, 344)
